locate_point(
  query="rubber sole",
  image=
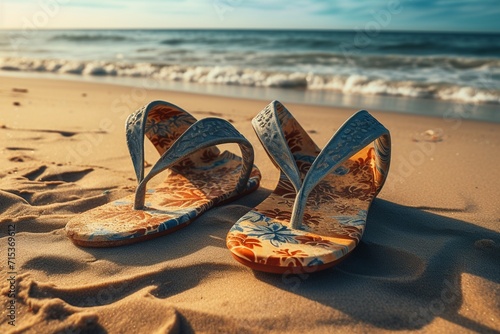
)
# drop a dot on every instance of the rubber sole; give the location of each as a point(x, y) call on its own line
point(107, 244)
point(287, 270)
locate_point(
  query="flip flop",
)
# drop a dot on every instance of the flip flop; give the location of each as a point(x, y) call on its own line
point(317, 213)
point(198, 177)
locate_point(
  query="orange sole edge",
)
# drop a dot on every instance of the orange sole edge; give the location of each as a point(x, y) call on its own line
point(105, 244)
point(108, 244)
point(287, 270)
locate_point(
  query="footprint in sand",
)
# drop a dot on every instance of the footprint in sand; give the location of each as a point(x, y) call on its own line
point(53, 265)
point(41, 198)
point(21, 158)
point(41, 173)
point(12, 148)
point(62, 133)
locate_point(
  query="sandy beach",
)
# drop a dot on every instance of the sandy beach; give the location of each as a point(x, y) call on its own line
point(428, 261)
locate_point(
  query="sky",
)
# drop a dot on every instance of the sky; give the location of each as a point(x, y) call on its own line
point(419, 15)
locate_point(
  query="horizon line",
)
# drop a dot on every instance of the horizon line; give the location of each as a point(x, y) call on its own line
point(261, 29)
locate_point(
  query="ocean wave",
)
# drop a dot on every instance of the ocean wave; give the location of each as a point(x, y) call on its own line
point(90, 38)
point(335, 42)
point(230, 75)
point(404, 46)
point(173, 41)
point(350, 58)
point(358, 59)
point(219, 40)
point(246, 40)
point(430, 47)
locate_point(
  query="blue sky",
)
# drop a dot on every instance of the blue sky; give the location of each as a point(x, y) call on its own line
point(437, 15)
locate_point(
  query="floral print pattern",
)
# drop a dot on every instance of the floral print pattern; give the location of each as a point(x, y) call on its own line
point(335, 215)
point(195, 184)
point(165, 124)
point(277, 234)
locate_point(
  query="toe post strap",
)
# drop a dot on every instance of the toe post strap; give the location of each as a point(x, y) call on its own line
point(269, 130)
point(154, 120)
point(356, 133)
point(202, 134)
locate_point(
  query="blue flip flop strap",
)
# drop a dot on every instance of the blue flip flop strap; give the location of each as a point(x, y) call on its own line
point(268, 128)
point(202, 134)
point(135, 126)
point(355, 134)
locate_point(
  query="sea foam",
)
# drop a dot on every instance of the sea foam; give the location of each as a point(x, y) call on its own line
point(355, 83)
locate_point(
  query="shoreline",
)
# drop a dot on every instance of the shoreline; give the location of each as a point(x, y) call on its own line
point(433, 225)
point(430, 107)
point(90, 80)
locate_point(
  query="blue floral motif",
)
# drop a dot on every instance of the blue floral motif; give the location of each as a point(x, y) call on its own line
point(305, 158)
point(158, 128)
point(359, 219)
point(189, 215)
point(108, 234)
point(217, 163)
point(167, 225)
point(118, 237)
point(255, 217)
point(315, 262)
point(274, 232)
point(183, 216)
point(179, 120)
point(236, 227)
point(99, 231)
point(341, 170)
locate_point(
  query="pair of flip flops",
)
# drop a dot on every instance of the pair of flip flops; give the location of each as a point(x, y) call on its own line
point(311, 221)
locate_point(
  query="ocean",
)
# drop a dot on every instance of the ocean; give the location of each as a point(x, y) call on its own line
point(440, 74)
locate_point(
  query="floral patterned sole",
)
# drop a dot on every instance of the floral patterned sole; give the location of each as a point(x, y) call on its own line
point(197, 177)
point(287, 270)
point(171, 205)
point(334, 215)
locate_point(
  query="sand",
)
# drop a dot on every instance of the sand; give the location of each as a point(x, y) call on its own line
point(428, 262)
